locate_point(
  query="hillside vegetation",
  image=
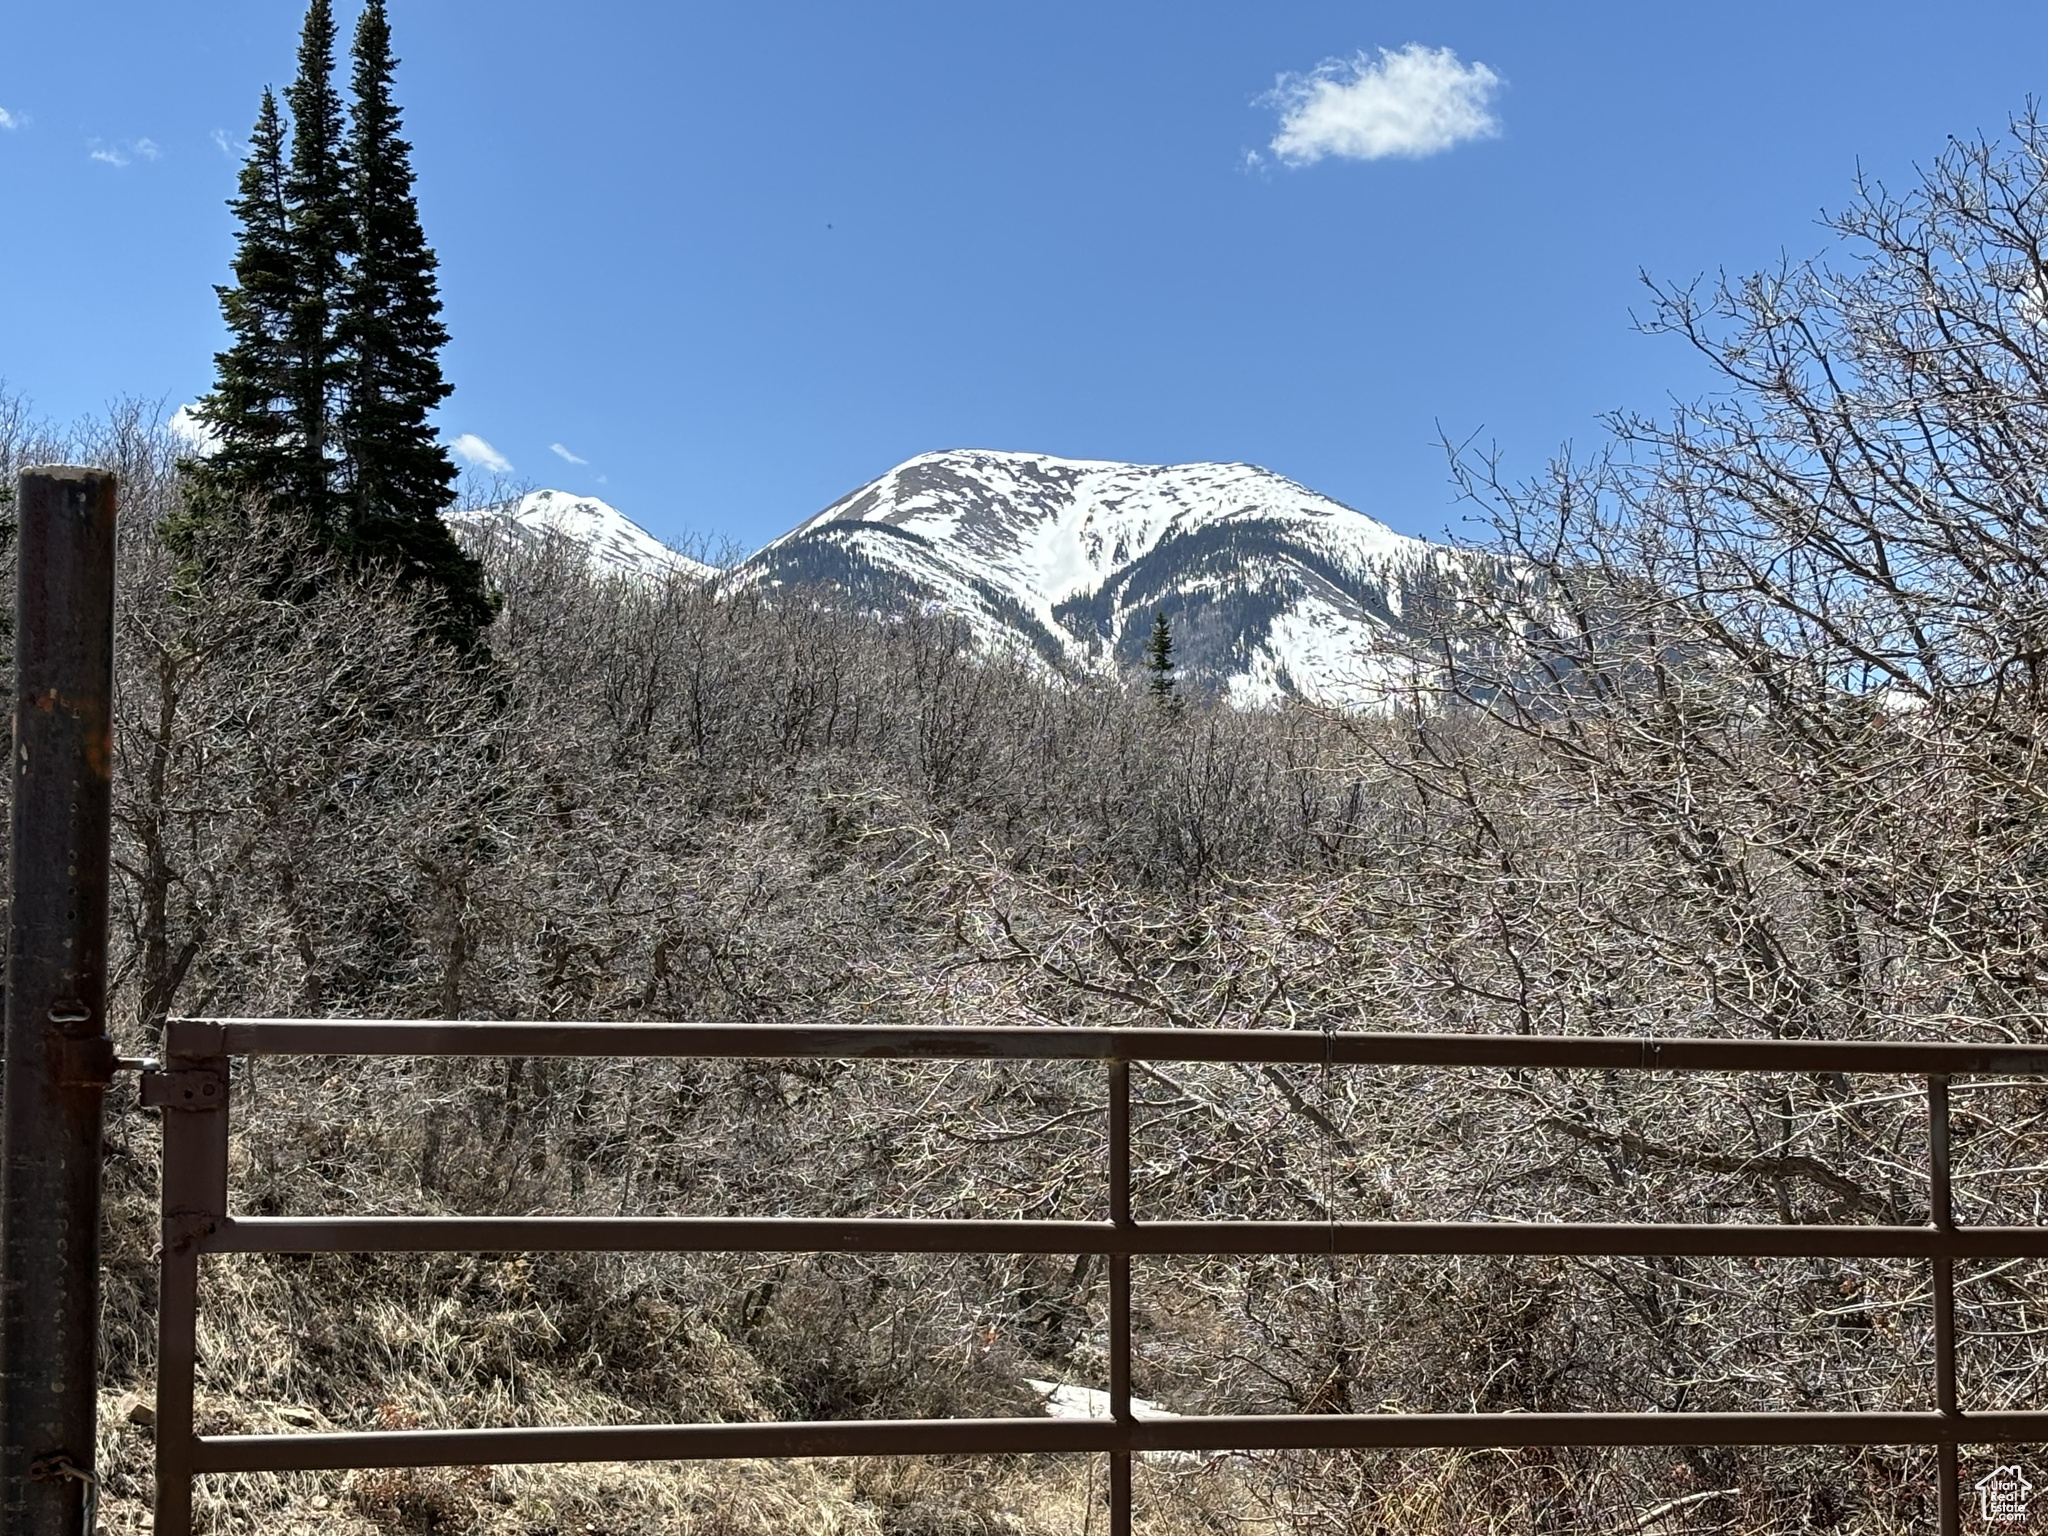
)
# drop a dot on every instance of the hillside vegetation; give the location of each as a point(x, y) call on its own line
point(1762, 760)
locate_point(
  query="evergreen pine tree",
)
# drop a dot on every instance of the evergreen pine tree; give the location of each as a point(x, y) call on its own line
point(397, 478)
point(1161, 683)
point(317, 202)
point(248, 411)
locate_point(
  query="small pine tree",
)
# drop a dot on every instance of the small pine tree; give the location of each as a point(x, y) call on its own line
point(399, 478)
point(317, 201)
point(1161, 682)
point(247, 411)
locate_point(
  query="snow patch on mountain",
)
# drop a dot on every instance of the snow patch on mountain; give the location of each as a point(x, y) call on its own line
point(615, 544)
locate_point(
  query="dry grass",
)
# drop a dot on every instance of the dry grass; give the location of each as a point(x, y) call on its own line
point(364, 1343)
point(936, 1496)
point(340, 1343)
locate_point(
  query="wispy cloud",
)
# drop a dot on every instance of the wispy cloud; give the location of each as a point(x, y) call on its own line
point(562, 453)
point(11, 120)
point(220, 142)
point(1405, 102)
point(478, 454)
point(123, 153)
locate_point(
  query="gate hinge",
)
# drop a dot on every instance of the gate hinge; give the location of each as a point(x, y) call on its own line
point(185, 1088)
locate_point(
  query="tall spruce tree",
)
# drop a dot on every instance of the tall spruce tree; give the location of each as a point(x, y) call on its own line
point(1160, 681)
point(247, 411)
point(321, 223)
point(398, 479)
point(322, 402)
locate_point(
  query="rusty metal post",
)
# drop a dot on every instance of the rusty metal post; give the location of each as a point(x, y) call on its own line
point(59, 1059)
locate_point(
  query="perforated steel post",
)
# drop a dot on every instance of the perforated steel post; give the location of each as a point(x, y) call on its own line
point(59, 1057)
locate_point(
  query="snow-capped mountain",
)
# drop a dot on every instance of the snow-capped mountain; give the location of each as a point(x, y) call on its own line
point(616, 545)
point(1270, 589)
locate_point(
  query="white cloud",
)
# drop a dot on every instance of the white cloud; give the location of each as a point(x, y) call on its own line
point(1409, 102)
point(478, 454)
point(123, 153)
point(562, 453)
point(220, 142)
point(198, 438)
point(11, 120)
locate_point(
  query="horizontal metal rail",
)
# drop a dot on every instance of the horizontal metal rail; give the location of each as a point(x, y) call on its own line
point(193, 1082)
point(1214, 1433)
point(388, 1037)
point(808, 1234)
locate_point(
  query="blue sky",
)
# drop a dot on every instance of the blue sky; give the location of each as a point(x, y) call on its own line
point(741, 257)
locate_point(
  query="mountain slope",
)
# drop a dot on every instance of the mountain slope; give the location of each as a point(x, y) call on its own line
point(1271, 589)
point(616, 545)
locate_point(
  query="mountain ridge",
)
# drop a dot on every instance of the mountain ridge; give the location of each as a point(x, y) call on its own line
point(1272, 590)
point(614, 544)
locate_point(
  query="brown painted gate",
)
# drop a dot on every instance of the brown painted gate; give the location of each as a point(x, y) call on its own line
point(192, 1086)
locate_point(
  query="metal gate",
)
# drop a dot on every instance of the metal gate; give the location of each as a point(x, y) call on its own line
point(59, 1061)
point(192, 1086)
